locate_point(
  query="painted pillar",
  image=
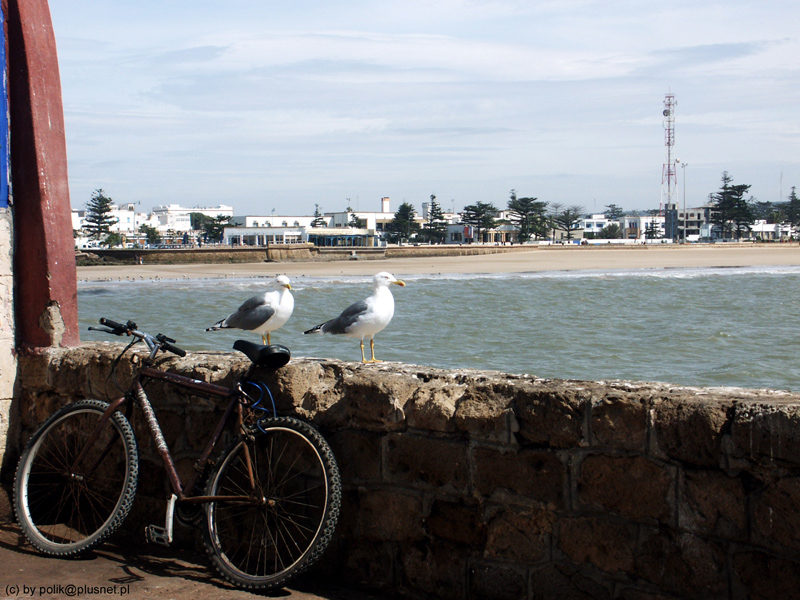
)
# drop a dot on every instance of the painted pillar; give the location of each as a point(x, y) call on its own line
point(46, 304)
point(38, 282)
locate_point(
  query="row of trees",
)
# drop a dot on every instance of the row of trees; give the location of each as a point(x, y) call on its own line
point(532, 218)
point(732, 215)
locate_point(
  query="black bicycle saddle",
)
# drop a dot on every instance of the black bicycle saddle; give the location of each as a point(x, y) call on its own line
point(271, 357)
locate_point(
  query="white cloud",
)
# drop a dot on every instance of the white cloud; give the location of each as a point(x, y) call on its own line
point(298, 102)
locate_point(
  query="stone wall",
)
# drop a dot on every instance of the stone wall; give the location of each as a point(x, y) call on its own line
point(467, 484)
point(208, 254)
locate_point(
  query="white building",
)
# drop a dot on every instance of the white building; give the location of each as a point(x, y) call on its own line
point(635, 228)
point(263, 236)
point(177, 218)
point(271, 221)
point(593, 224)
point(771, 231)
point(127, 219)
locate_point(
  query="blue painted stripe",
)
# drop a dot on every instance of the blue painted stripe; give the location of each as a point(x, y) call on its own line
point(4, 134)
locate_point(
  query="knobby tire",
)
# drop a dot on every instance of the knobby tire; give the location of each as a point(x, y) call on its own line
point(274, 532)
point(63, 508)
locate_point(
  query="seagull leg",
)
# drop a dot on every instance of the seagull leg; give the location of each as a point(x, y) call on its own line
point(363, 358)
point(372, 349)
point(265, 339)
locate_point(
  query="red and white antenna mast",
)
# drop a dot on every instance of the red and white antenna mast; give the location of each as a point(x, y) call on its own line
point(669, 174)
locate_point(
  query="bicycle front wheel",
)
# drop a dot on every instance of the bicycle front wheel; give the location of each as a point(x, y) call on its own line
point(70, 495)
point(279, 503)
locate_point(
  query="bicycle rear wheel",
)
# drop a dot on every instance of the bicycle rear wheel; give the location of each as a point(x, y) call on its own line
point(282, 522)
point(66, 508)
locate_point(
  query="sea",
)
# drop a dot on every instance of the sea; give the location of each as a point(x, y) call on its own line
point(685, 326)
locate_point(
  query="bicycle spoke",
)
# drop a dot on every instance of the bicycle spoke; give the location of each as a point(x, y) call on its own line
point(64, 511)
point(289, 523)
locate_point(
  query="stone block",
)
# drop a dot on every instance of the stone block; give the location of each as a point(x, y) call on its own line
point(198, 424)
point(432, 407)
point(388, 515)
point(691, 430)
point(492, 581)
point(608, 544)
point(427, 462)
point(620, 421)
point(485, 412)
point(767, 434)
point(358, 454)
point(683, 564)
point(714, 503)
point(634, 487)
point(564, 582)
point(648, 593)
point(435, 569)
point(370, 564)
point(308, 385)
point(776, 519)
point(375, 400)
point(8, 370)
point(33, 371)
point(457, 523)
point(534, 474)
point(551, 414)
point(522, 536)
point(765, 576)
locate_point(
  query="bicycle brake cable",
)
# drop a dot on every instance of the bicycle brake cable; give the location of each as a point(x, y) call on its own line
point(112, 376)
point(256, 404)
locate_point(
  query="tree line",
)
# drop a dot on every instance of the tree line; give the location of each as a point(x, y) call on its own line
point(732, 215)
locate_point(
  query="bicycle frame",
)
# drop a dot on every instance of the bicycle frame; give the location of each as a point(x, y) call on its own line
point(182, 491)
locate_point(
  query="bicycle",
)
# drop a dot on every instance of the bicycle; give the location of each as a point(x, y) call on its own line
point(271, 501)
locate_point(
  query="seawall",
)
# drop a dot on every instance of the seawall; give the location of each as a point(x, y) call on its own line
point(471, 484)
point(279, 253)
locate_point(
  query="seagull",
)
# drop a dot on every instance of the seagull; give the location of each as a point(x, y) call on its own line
point(366, 318)
point(263, 313)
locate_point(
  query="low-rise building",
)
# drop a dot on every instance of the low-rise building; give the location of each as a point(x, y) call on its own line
point(637, 227)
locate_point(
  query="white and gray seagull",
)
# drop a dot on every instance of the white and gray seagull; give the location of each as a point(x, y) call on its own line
point(366, 318)
point(262, 313)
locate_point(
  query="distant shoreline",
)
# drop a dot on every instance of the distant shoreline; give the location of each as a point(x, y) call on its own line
point(571, 258)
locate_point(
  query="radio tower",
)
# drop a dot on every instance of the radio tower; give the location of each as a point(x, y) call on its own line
point(669, 175)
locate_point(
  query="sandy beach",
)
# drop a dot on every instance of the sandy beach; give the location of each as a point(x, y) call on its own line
point(538, 259)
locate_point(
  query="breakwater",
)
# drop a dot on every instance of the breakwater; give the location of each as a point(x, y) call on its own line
point(477, 484)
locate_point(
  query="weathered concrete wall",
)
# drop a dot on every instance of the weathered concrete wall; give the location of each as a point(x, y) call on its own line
point(8, 365)
point(465, 484)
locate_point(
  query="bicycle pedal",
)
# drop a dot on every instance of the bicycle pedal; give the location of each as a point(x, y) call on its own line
point(162, 535)
point(157, 535)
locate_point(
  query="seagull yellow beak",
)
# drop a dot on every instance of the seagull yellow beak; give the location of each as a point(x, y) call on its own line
point(288, 286)
point(399, 282)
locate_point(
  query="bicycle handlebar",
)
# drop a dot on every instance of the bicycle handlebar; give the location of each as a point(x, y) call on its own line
point(160, 341)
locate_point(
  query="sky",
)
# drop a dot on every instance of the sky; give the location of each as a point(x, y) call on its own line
point(286, 104)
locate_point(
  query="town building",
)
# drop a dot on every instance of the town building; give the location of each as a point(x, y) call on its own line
point(173, 217)
point(593, 224)
point(637, 227)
